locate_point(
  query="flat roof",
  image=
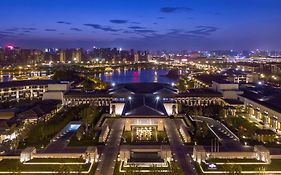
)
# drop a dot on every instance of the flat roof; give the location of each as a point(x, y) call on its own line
point(200, 92)
point(268, 97)
point(11, 84)
point(233, 102)
point(145, 105)
point(145, 88)
point(86, 94)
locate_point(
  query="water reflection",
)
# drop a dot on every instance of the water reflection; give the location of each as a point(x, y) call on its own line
point(137, 76)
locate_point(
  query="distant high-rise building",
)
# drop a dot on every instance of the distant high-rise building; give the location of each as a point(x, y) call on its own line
point(62, 56)
point(143, 56)
point(136, 57)
point(149, 58)
point(76, 55)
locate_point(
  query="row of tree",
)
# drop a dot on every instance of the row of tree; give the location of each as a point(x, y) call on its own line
point(213, 111)
point(39, 134)
point(89, 116)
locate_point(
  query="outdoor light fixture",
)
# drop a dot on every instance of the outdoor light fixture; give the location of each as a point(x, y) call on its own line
point(157, 98)
point(130, 98)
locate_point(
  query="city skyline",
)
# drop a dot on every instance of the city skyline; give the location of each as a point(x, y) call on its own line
point(148, 25)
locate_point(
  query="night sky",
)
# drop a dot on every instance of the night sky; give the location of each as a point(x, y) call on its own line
point(142, 24)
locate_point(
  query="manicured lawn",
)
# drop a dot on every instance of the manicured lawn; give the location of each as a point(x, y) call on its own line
point(85, 141)
point(17, 166)
point(232, 160)
point(41, 134)
point(172, 168)
point(66, 160)
point(273, 166)
point(162, 136)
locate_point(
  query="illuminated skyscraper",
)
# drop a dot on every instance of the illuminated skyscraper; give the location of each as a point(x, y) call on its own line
point(62, 56)
point(76, 55)
point(136, 57)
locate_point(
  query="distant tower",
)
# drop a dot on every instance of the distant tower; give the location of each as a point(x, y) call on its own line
point(76, 55)
point(136, 57)
point(62, 56)
point(149, 57)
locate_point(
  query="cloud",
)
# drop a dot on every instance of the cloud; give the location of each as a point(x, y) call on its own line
point(144, 31)
point(128, 32)
point(50, 30)
point(136, 27)
point(28, 28)
point(135, 22)
point(4, 35)
point(175, 9)
point(13, 29)
point(104, 28)
point(64, 22)
point(118, 21)
point(160, 17)
point(75, 29)
point(203, 30)
point(173, 40)
point(6, 32)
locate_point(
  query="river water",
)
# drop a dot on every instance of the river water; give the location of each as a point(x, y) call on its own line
point(117, 76)
point(137, 76)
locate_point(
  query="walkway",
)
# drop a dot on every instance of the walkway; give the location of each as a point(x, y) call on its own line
point(179, 150)
point(108, 158)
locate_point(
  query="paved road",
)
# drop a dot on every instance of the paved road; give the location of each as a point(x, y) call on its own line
point(179, 150)
point(60, 145)
point(108, 157)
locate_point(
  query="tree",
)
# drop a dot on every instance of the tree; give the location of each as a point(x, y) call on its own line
point(14, 144)
point(261, 171)
point(204, 129)
point(154, 169)
point(65, 75)
point(87, 117)
point(131, 169)
point(207, 112)
point(181, 85)
point(63, 170)
point(190, 84)
point(232, 169)
point(221, 113)
point(175, 169)
point(79, 133)
point(200, 112)
point(93, 83)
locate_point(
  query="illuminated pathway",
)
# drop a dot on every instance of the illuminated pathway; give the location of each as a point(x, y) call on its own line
point(108, 157)
point(179, 150)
